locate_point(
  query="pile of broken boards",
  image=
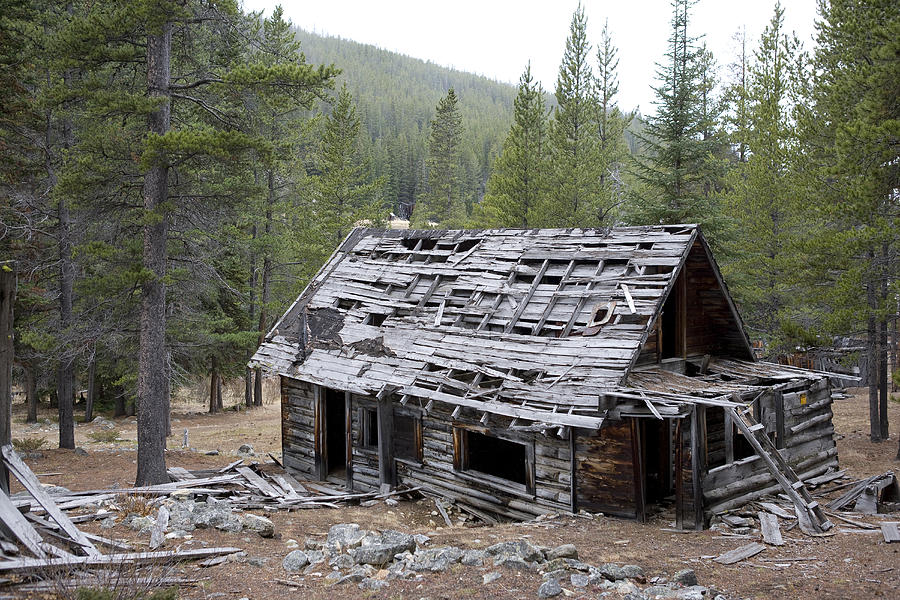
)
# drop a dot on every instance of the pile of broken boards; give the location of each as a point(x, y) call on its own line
point(42, 548)
point(879, 494)
point(351, 555)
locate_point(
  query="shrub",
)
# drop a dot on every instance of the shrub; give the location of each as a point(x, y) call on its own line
point(104, 435)
point(29, 444)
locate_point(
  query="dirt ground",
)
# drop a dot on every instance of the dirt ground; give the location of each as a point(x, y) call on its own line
point(842, 565)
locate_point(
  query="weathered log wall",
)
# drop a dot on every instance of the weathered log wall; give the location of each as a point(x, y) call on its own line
point(298, 426)
point(808, 446)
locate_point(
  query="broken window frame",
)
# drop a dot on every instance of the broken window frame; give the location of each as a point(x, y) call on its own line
point(418, 445)
point(462, 469)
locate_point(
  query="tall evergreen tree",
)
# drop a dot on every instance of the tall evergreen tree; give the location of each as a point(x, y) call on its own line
point(343, 197)
point(519, 180)
point(442, 201)
point(851, 124)
point(673, 162)
point(762, 199)
point(611, 124)
point(573, 142)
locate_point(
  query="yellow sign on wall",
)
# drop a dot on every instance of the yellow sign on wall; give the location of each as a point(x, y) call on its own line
point(802, 399)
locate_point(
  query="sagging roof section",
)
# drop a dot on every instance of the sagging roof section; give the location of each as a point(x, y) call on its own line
point(533, 324)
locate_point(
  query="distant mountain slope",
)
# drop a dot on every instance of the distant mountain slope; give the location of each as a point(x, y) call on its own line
point(396, 96)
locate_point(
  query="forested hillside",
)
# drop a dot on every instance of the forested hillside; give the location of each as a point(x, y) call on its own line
point(396, 97)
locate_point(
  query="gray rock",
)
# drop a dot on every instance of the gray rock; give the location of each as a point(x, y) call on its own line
point(295, 561)
point(490, 577)
point(373, 584)
point(634, 572)
point(421, 540)
point(312, 544)
point(549, 589)
point(341, 561)
point(211, 453)
point(557, 574)
point(246, 449)
point(257, 561)
point(520, 548)
point(657, 591)
point(315, 556)
point(611, 571)
point(579, 580)
point(474, 558)
point(435, 559)
point(108, 523)
point(516, 563)
point(694, 592)
point(141, 524)
point(261, 525)
point(81, 452)
point(333, 576)
point(685, 577)
point(564, 551)
point(373, 554)
point(345, 536)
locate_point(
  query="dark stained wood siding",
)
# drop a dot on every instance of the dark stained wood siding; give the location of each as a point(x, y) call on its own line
point(604, 470)
point(298, 426)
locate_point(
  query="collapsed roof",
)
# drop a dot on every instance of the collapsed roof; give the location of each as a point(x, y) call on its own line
point(532, 324)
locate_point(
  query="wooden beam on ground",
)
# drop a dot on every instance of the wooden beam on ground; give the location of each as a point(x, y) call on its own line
point(771, 532)
point(741, 553)
point(33, 565)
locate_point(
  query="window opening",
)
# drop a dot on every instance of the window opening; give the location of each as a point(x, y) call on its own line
point(369, 428)
point(335, 431)
point(375, 319)
point(494, 456)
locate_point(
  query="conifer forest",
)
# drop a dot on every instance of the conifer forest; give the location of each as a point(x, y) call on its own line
point(173, 173)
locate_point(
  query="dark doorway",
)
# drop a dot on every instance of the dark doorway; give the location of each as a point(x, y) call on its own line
point(656, 460)
point(335, 432)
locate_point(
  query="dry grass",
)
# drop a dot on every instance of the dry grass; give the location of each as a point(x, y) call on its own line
point(142, 505)
point(105, 436)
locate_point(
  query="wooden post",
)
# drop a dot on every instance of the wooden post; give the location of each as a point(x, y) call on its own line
point(779, 419)
point(573, 487)
point(7, 300)
point(348, 420)
point(320, 432)
point(386, 442)
point(640, 494)
point(696, 465)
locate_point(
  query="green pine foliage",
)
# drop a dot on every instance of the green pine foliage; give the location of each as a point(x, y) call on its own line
point(442, 203)
point(343, 198)
point(518, 186)
point(672, 166)
point(763, 196)
point(573, 142)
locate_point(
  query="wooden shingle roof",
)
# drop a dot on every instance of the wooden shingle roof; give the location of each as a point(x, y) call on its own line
point(534, 324)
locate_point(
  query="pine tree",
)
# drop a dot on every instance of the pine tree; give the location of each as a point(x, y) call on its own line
point(851, 122)
point(573, 141)
point(762, 199)
point(518, 182)
point(442, 202)
point(611, 124)
point(343, 197)
point(672, 166)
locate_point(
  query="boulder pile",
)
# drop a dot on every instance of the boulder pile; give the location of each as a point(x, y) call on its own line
point(372, 559)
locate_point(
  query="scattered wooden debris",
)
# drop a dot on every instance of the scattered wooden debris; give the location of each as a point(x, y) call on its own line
point(884, 485)
point(771, 532)
point(890, 532)
point(741, 553)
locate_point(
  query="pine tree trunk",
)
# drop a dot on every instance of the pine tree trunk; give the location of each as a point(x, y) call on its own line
point(119, 403)
point(152, 373)
point(883, 357)
point(872, 359)
point(65, 389)
point(213, 378)
point(91, 391)
point(219, 405)
point(31, 397)
point(7, 357)
point(257, 387)
point(248, 387)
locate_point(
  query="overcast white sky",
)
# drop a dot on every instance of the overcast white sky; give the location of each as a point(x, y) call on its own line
point(496, 38)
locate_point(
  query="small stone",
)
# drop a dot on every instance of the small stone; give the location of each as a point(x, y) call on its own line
point(212, 453)
point(634, 572)
point(490, 577)
point(295, 561)
point(520, 548)
point(391, 502)
point(370, 583)
point(579, 580)
point(246, 449)
point(257, 561)
point(292, 543)
point(81, 452)
point(474, 558)
point(549, 589)
point(611, 571)
point(564, 551)
point(685, 577)
point(345, 535)
point(108, 523)
point(261, 525)
point(693, 592)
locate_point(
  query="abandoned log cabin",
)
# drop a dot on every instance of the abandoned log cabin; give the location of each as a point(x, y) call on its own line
point(525, 371)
